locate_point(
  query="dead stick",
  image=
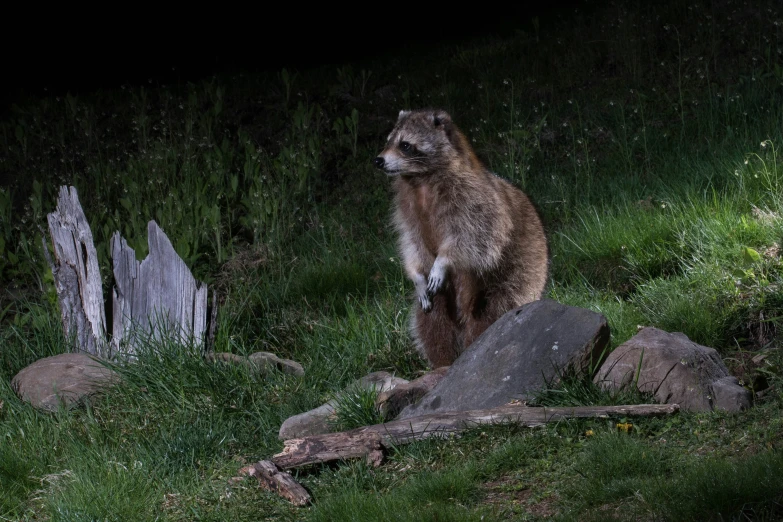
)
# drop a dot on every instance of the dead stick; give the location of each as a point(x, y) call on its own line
point(272, 479)
point(334, 446)
point(357, 443)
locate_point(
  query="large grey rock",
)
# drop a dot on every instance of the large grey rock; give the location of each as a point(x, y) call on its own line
point(524, 349)
point(65, 380)
point(318, 420)
point(676, 370)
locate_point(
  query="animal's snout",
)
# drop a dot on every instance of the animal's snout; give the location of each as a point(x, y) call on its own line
point(378, 162)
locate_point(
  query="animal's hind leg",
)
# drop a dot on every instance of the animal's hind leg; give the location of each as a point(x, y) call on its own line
point(436, 333)
point(475, 312)
point(473, 327)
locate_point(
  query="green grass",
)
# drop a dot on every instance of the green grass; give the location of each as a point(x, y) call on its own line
point(574, 390)
point(623, 478)
point(652, 153)
point(355, 407)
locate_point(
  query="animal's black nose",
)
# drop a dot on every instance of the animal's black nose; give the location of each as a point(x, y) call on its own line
point(378, 162)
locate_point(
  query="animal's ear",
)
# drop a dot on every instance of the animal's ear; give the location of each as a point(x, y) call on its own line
point(403, 113)
point(440, 117)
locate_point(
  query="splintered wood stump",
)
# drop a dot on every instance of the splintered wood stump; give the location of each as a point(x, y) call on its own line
point(77, 277)
point(155, 297)
point(361, 442)
point(272, 479)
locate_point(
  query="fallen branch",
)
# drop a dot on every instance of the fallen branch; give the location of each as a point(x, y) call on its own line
point(272, 479)
point(333, 446)
point(359, 442)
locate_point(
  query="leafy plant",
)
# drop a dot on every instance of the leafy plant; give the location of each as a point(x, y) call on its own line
point(347, 130)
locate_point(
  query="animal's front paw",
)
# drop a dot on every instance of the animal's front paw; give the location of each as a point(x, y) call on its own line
point(420, 282)
point(425, 302)
point(436, 278)
point(434, 284)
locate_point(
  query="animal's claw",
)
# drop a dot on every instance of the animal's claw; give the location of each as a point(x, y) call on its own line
point(426, 303)
point(434, 283)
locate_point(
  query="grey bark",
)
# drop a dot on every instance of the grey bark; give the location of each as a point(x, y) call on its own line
point(333, 446)
point(77, 276)
point(209, 345)
point(155, 297)
point(360, 441)
point(272, 479)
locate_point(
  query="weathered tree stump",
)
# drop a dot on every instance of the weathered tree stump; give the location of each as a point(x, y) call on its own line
point(77, 276)
point(157, 296)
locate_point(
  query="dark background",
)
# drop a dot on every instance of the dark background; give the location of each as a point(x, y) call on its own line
point(54, 53)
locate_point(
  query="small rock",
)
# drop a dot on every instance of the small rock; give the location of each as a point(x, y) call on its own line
point(225, 357)
point(729, 395)
point(391, 402)
point(522, 351)
point(317, 421)
point(314, 422)
point(67, 379)
point(266, 361)
point(261, 362)
point(676, 370)
point(380, 381)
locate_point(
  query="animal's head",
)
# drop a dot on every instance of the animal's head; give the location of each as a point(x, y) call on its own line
point(422, 141)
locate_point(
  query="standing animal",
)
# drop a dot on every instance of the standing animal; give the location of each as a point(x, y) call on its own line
point(472, 243)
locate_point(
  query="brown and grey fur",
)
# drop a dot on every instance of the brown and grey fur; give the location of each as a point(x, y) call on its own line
point(472, 243)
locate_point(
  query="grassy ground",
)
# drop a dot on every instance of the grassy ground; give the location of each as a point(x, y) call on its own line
point(648, 136)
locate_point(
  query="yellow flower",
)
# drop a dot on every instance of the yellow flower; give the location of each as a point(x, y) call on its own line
point(624, 426)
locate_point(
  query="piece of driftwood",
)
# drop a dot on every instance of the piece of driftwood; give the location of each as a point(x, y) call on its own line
point(271, 478)
point(332, 446)
point(76, 274)
point(351, 444)
point(155, 297)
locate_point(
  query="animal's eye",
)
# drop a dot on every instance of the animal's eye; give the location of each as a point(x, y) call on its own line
point(405, 146)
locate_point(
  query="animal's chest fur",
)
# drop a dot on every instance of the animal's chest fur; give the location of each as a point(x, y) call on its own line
point(424, 214)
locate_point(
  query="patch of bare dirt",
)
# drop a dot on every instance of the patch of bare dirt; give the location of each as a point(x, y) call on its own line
point(507, 492)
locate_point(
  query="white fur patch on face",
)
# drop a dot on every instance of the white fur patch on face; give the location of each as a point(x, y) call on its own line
point(392, 163)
